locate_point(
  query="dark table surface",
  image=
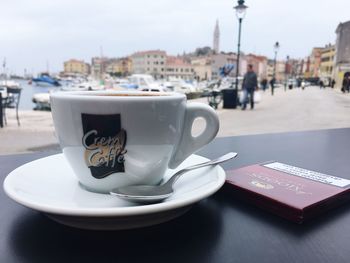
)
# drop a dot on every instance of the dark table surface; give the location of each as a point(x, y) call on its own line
point(217, 229)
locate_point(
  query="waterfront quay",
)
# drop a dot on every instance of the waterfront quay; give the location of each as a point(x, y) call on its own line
point(286, 111)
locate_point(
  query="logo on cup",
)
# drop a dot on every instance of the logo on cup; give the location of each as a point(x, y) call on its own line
point(104, 141)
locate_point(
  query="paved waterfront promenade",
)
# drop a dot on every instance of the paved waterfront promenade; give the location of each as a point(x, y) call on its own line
point(293, 110)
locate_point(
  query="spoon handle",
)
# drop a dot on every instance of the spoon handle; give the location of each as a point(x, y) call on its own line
point(218, 160)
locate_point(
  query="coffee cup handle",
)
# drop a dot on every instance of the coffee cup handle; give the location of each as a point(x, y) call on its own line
point(188, 143)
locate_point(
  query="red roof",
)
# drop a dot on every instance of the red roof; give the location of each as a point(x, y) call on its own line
point(150, 52)
point(175, 61)
point(75, 61)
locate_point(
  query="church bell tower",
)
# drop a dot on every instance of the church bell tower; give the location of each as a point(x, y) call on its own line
point(216, 41)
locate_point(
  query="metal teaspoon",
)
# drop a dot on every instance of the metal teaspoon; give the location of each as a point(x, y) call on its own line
point(157, 193)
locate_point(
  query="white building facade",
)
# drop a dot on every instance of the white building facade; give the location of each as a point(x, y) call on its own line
point(151, 62)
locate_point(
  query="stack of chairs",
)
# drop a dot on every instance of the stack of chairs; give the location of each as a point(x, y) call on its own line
point(11, 101)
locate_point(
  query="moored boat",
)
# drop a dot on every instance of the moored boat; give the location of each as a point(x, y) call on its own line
point(88, 85)
point(45, 80)
point(42, 101)
point(144, 82)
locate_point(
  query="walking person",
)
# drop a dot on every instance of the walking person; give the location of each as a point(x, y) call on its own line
point(272, 84)
point(344, 84)
point(333, 83)
point(321, 84)
point(264, 84)
point(250, 83)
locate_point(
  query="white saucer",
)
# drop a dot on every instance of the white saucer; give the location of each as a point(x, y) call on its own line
point(48, 185)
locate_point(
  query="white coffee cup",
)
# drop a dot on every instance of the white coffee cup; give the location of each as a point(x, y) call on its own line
point(113, 139)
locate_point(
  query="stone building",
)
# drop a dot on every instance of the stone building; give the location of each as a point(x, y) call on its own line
point(299, 67)
point(279, 70)
point(327, 63)
point(76, 67)
point(294, 68)
point(98, 66)
point(306, 68)
point(202, 68)
point(119, 66)
point(315, 62)
point(342, 57)
point(178, 68)
point(150, 62)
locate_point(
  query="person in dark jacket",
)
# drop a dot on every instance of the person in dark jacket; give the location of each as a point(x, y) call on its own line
point(344, 84)
point(332, 83)
point(250, 83)
point(264, 84)
point(272, 84)
point(321, 84)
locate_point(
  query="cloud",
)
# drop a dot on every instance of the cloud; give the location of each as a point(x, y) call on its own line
point(33, 32)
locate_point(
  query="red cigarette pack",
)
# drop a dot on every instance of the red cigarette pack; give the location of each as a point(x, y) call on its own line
point(291, 192)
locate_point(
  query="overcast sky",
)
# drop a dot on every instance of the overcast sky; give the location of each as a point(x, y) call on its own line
point(34, 33)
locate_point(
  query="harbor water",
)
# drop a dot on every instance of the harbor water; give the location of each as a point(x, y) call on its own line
point(28, 90)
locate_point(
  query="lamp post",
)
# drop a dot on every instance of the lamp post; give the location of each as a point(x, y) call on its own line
point(286, 73)
point(273, 80)
point(241, 9)
point(276, 47)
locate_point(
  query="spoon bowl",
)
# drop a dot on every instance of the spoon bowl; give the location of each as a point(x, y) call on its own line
point(156, 193)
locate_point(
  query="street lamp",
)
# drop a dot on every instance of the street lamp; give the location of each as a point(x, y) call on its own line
point(241, 9)
point(286, 73)
point(276, 47)
point(273, 80)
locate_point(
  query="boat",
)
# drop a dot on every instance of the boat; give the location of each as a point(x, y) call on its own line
point(9, 83)
point(181, 86)
point(83, 86)
point(118, 84)
point(42, 99)
point(45, 80)
point(144, 82)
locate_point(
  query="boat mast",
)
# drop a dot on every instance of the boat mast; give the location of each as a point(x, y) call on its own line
point(47, 67)
point(4, 70)
point(101, 62)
